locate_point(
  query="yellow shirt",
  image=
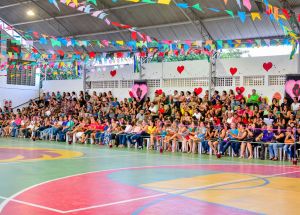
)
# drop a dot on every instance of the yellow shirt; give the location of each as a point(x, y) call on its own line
point(151, 129)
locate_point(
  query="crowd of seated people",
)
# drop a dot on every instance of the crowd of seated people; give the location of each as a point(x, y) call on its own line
point(223, 123)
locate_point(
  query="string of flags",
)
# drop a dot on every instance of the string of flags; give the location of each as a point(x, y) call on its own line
point(148, 45)
point(273, 12)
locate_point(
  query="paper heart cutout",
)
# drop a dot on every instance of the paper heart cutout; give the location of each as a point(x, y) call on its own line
point(113, 73)
point(241, 89)
point(292, 88)
point(198, 91)
point(92, 54)
point(277, 96)
point(268, 66)
point(159, 92)
point(180, 69)
point(139, 91)
point(131, 94)
point(233, 70)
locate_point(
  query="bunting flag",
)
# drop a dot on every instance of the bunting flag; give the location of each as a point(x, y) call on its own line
point(274, 13)
point(54, 2)
point(136, 65)
point(247, 4)
point(239, 3)
point(294, 50)
point(255, 15)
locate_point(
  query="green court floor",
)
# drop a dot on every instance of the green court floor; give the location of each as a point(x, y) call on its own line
point(25, 164)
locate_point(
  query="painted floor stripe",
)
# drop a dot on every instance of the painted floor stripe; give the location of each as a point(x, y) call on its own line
point(32, 205)
point(12, 198)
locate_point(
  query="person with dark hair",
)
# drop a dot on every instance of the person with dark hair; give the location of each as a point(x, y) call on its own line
point(266, 137)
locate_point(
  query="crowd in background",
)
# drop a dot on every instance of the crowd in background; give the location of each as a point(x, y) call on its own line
point(183, 121)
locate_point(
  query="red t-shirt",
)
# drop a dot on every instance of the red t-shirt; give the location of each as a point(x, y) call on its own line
point(217, 106)
point(239, 97)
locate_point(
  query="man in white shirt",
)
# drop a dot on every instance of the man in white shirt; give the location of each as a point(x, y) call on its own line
point(153, 109)
point(295, 105)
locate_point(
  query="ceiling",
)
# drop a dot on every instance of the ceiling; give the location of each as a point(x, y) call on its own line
point(165, 22)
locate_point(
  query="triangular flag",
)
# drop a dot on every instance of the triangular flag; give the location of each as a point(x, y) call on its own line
point(197, 7)
point(255, 15)
point(92, 1)
point(55, 3)
point(239, 3)
point(74, 1)
point(242, 16)
point(230, 13)
point(163, 1)
point(247, 4)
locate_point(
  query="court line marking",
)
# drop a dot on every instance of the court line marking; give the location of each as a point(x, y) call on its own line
point(12, 198)
point(32, 205)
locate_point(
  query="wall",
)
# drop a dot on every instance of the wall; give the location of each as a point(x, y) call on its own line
point(165, 76)
point(62, 86)
point(16, 93)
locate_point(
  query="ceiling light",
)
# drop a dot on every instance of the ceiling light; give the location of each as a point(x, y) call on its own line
point(30, 13)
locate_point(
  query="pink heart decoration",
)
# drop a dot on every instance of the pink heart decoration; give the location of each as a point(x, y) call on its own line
point(139, 91)
point(292, 88)
point(113, 73)
point(180, 69)
point(241, 89)
point(233, 70)
point(268, 66)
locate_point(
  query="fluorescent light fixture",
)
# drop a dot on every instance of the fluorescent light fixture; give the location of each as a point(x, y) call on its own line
point(30, 13)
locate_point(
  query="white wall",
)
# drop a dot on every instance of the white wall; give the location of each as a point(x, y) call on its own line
point(193, 69)
point(16, 93)
point(62, 86)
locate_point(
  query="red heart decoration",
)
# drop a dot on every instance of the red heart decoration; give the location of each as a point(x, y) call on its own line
point(131, 94)
point(198, 91)
point(159, 92)
point(268, 66)
point(241, 89)
point(92, 54)
point(180, 69)
point(113, 73)
point(233, 70)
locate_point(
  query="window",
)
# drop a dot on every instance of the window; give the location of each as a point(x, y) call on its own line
point(276, 80)
point(20, 74)
point(104, 84)
point(258, 80)
point(224, 81)
point(237, 80)
point(153, 83)
point(185, 82)
point(126, 83)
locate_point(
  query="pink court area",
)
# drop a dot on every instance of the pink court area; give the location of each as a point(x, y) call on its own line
point(99, 193)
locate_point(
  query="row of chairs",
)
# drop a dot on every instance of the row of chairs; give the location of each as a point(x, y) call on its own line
point(158, 145)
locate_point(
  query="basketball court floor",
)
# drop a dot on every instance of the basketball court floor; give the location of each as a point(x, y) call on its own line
point(54, 178)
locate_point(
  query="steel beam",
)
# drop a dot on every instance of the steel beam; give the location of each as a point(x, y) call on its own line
point(75, 14)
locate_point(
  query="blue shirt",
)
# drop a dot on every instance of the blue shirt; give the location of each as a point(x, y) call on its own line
point(233, 131)
point(267, 137)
